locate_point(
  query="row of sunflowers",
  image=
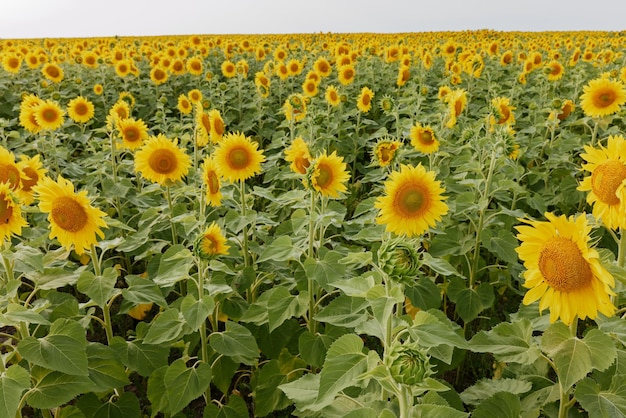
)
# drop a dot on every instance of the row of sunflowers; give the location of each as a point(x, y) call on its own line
point(313, 225)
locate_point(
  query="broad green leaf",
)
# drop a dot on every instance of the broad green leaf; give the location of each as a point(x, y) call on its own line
point(156, 391)
point(143, 290)
point(326, 270)
point(165, 328)
point(70, 411)
point(602, 348)
point(615, 327)
point(313, 348)
point(501, 405)
point(424, 294)
point(279, 250)
point(344, 362)
point(573, 362)
point(183, 384)
point(174, 266)
point(98, 288)
point(603, 403)
point(344, 311)
point(55, 277)
point(236, 342)
point(196, 311)
point(57, 388)
point(13, 382)
point(357, 260)
point(224, 369)
point(362, 413)
point(356, 286)
point(15, 313)
point(235, 408)
point(486, 388)
point(439, 265)
point(555, 335)
point(503, 245)
point(431, 331)
point(469, 303)
point(439, 411)
point(508, 342)
point(281, 306)
point(63, 349)
point(106, 370)
point(140, 357)
point(303, 392)
point(126, 406)
point(268, 397)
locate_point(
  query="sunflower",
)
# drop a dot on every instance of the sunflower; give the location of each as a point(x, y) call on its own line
point(158, 75)
point(298, 155)
point(184, 104)
point(502, 111)
point(567, 108)
point(211, 179)
point(310, 88)
point(212, 242)
point(32, 171)
point(346, 74)
point(412, 202)
point(229, 70)
point(238, 157)
point(554, 70)
point(282, 71)
point(73, 220)
point(27, 119)
point(386, 151)
point(562, 271)
point(294, 108)
point(332, 96)
point(195, 96)
point(11, 220)
point(122, 68)
point(322, 67)
point(423, 139)
point(80, 109)
point(160, 160)
point(52, 72)
point(295, 67)
point(364, 100)
point(602, 97)
point(203, 126)
point(605, 185)
point(133, 132)
point(98, 89)
point(194, 66)
point(11, 63)
point(49, 115)
point(328, 175)
point(404, 74)
point(217, 126)
point(120, 109)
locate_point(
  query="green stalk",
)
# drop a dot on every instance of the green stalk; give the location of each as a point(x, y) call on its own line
point(106, 309)
point(312, 325)
point(204, 348)
point(250, 292)
point(168, 195)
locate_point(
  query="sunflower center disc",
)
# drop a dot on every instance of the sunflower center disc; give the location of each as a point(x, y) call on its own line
point(131, 135)
point(605, 180)
point(411, 200)
point(325, 176)
point(605, 99)
point(28, 183)
point(213, 182)
point(5, 210)
point(68, 214)
point(426, 138)
point(162, 161)
point(563, 266)
point(9, 174)
point(238, 158)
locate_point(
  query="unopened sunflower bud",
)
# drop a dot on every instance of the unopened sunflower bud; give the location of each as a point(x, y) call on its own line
point(409, 364)
point(400, 259)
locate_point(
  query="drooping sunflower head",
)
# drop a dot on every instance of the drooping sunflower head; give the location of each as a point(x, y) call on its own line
point(211, 243)
point(295, 108)
point(11, 220)
point(385, 152)
point(203, 126)
point(217, 126)
point(9, 171)
point(162, 161)
point(328, 175)
point(133, 132)
point(412, 201)
point(364, 100)
point(605, 185)
point(298, 155)
point(28, 106)
point(423, 139)
point(562, 271)
point(73, 220)
point(32, 171)
point(502, 111)
point(602, 97)
point(238, 157)
point(80, 109)
point(211, 179)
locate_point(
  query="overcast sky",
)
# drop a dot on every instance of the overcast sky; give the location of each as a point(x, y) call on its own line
point(93, 18)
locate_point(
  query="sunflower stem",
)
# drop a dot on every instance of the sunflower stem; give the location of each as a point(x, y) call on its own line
point(310, 282)
point(168, 195)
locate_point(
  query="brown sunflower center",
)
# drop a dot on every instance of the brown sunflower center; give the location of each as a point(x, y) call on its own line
point(411, 200)
point(324, 176)
point(238, 158)
point(163, 161)
point(218, 126)
point(81, 109)
point(458, 107)
point(6, 211)
point(32, 179)
point(366, 99)
point(505, 113)
point(563, 266)
point(53, 72)
point(301, 163)
point(131, 134)
point(426, 137)
point(213, 182)
point(604, 98)
point(10, 174)
point(68, 214)
point(49, 115)
point(605, 180)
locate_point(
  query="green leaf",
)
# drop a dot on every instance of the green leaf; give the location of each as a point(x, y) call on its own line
point(501, 405)
point(344, 311)
point(303, 392)
point(356, 286)
point(279, 250)
point(268, 397)
point(156, 391)
point(142, 290)
point(325, 270)
point(13, 382)
point(235, 408)
point(503, 245)
point(183, 384)
point(486, 388)
point(469, 303)
point(140, 357)
point(602, 348)
point(236, 342)
point(126, 406)
point(70, 411)
point(603, 403)
point(555, 335)
point(63, 349)
point(98, 288)
point(313, 347)
point(573, 362)
point(55, 277)
point(15, 313)
point(196, 311)
point(57, 388)
point(439, 265)
point(439, 411)
point(509, 342)
point(174, 266)
point(224, 369)
point(281, 306)
point(166, 327)
point(106, 370)
point(424, 294)
point(345, 361)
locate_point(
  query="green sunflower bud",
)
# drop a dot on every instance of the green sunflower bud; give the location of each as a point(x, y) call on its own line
point(409, 364)
point(400, 259)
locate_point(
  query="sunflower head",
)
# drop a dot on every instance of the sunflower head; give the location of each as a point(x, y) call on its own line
point(423, 139)
point(211, 180)
point(385, 151)
point(562, 271)
point(298, 155)
point(211, 243)
point(602, 97)
point(162, 161)
point(11, 220)
point(400, 259)
point(80, 109)
point(238, 157)
point(364, 100)
point(327, 175)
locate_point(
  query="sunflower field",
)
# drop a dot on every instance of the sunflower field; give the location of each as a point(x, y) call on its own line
point(314, 225)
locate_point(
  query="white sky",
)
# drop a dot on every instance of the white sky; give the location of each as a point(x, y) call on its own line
point(93, 18)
